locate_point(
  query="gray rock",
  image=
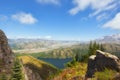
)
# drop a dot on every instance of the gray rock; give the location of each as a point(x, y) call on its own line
point(6, 54)
point(100, 61)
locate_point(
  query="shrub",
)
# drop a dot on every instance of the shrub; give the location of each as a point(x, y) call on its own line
point(107, 74)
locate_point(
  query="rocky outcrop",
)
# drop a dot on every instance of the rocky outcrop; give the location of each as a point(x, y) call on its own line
point(100, 61)
point(6, 55)
point(32, 74)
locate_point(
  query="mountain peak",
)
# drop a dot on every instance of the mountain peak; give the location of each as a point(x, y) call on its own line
point(116, 35)
point(115, 38)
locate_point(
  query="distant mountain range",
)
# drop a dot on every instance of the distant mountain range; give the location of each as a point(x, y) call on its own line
point(110, 39)
point(38, 45)
point(41, 45)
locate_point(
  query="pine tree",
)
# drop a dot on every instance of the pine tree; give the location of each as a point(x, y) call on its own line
point(77, 57)
point(92, 48)
point(98, 46)
point(17, 72)
point(102, 48)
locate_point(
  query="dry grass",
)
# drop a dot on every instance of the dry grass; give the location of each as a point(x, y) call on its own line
point(32, 60)
point(42, 68)
point(76, 72)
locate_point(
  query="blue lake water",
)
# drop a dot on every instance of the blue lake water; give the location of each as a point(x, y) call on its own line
point(59, 63)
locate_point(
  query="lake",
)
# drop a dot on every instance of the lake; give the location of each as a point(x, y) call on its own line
point(59, 63)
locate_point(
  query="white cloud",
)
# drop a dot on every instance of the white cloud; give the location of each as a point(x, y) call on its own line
point(114, 23)
point(49, 1)
point(80, 5)
point(96, 5)
point(29, 37)
point(24, 18)
point(107, 8)
point(102, 16)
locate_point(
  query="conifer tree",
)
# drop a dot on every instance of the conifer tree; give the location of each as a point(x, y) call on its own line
point(102, 48)
point(92, 48)
point(95, 47)
point(77, 57)
point(17, 72)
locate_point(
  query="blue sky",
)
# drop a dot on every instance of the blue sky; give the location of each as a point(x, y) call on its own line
point(60, 19)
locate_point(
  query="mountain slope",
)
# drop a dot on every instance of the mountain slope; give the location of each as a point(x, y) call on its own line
point(76, 72)
point(37, 69)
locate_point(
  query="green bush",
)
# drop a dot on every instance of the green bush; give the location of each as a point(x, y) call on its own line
point(107, 74)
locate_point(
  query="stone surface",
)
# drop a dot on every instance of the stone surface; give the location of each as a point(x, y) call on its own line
point(32, 75)
point(6, 54)
point(100, 61)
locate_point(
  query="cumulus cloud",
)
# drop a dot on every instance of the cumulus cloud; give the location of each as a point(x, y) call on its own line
point(96, 5)
point(114, 23)
point(24, 18)
point(49, 1)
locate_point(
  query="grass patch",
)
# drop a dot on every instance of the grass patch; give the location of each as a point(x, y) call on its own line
point(45, 70)
point(107, 74)
point(75, 72)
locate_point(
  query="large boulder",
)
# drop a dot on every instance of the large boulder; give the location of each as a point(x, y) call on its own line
point(100, 61)
point(6, 55)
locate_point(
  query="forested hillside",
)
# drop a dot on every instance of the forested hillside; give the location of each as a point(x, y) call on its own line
point(68, 52)
point(71, 51)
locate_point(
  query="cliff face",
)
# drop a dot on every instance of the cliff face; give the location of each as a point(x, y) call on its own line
point(6, 55)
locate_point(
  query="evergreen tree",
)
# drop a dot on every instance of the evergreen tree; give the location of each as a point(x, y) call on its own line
point(98, 46)
point(92, 48)
point(17, 72)
point(77, 57)
point(95, 47)
point(102, 48)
